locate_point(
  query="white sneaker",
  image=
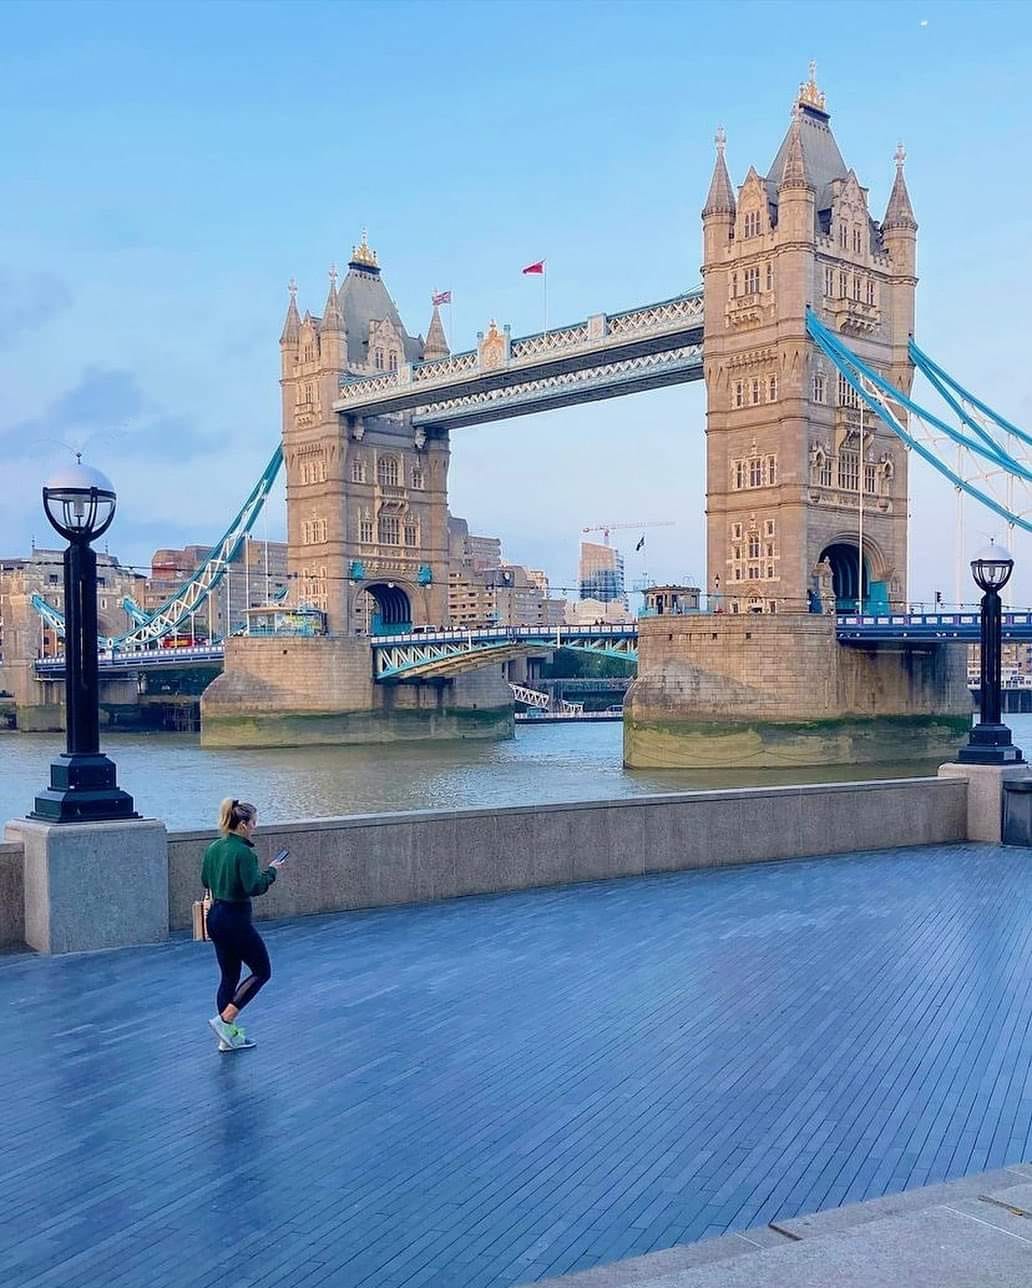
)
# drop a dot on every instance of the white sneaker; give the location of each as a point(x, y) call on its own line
point(221, 1029)
point(240, 1043)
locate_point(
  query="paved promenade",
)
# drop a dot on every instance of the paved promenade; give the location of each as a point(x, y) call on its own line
point(497, 1090)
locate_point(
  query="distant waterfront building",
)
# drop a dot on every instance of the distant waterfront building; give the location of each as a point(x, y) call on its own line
point(591, 612)
point(24, 633)
point(601, 573)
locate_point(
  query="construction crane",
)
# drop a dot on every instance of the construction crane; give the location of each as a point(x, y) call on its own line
point(607, 528)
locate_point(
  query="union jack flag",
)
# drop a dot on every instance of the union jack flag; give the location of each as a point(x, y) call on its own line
point(441, 297)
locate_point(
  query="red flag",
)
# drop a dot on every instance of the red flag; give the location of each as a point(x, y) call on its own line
point(441, 297)
point(539, 267)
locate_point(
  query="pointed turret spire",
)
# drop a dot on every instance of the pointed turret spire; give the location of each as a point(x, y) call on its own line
point(793, 172)
point(436, 344)
point(721, 199)
point(899, 213)
point(292, 325)
point(332, 318)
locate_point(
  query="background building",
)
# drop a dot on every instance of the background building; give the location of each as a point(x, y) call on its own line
point(601, 573)
point(257, 575)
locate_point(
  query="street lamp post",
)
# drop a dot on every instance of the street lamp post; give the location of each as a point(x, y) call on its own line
point(80, 504)
point(989, 742)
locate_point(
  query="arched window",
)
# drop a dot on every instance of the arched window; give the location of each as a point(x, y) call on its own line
point(389, 530)
point(752, 280)
point(417, 478)
point(770, 277)
point(365, 528)
point(734, 286)
point(772, 389)
point(392, 361)
point(358, 470)
point(387, 471)
point(755, 390)
point(818, 386)
point(378, 359)
point(842, 236)
point(411, 533)
point(858, 241)
point(870, 292)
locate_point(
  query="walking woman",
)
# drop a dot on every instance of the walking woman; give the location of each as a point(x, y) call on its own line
point(230, 872)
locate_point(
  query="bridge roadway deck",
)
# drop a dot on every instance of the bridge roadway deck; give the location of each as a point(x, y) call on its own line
point(494, 1090)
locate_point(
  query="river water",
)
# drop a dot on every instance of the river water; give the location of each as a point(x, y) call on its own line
point(173, 778)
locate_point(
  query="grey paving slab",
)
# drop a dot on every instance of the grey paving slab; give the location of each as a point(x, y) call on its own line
point(503, 1090)
point(938, 1247)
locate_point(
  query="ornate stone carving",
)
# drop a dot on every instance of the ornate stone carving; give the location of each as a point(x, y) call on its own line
point(493, 348)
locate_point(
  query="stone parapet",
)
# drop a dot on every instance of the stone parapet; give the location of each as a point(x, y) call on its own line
point(368, 861)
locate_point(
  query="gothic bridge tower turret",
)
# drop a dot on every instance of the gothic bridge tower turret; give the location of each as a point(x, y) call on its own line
point(367, 503)
point(788, 448)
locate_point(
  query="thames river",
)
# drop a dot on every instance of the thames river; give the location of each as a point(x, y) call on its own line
point(173, 778)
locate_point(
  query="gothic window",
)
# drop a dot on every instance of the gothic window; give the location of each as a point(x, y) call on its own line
point(848, 471)
point(734, 286)
point(378, 359)
point(847, 395)
point(323, 531)
point(768, 531)
point(858, 243)
point(755, 472)
point(393, 361)
point(829, 282)
point(870, 483)
point(739, 394)
point(387, 471)
point(824, 477)
point(736, 531)
point(358, 474)
point(842, 236)
point(857, 284)
point(870, 292)
point(770, 277)
point(755, 392)
point(365, 528)
point(752, 280)
point(417, 478)
point(306, 533)
point(390, 534)
point(843, 285)
point(411, 538)
point(740, 475)
point(754, 545)
point(818, 386)
point(752, 224)
point(771, 470)
point(772, 389)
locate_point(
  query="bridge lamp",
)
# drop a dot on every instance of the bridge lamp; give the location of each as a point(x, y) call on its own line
point(79, 502)
point(989, 742)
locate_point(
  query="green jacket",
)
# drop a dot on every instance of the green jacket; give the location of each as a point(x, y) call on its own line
point(230, 870)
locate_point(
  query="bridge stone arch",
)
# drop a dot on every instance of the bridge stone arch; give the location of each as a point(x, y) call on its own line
point(387, 606)
point(842, 552)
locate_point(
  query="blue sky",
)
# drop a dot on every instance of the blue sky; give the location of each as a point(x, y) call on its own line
point(167, 167)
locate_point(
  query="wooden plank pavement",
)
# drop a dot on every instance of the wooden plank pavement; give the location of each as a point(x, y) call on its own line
point(496, 1090)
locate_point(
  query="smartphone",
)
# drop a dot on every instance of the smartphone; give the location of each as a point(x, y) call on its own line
point(282, 856)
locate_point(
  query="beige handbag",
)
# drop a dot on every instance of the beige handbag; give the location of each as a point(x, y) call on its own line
point(201, 908)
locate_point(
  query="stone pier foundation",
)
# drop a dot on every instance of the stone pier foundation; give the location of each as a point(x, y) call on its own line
point(779, 691)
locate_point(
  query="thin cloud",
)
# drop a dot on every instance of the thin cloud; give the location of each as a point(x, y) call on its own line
point(29, 301)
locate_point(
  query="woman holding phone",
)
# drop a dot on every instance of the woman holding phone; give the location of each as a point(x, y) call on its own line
point(231, 874)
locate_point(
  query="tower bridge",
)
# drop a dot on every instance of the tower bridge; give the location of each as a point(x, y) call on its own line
point(803, 334)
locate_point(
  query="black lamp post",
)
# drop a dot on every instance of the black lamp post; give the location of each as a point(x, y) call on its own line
point(80, 504)
point(989, 742)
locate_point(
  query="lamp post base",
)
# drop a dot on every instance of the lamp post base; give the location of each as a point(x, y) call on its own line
point(990, 744)
point(83, 789)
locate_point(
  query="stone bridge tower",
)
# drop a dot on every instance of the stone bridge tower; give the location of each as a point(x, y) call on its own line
point(367, 510)
point(788, 448)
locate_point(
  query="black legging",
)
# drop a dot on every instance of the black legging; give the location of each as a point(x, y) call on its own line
point(237, 944)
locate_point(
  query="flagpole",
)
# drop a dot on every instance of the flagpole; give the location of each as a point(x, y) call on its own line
point(544, 279)
point(451, 323)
